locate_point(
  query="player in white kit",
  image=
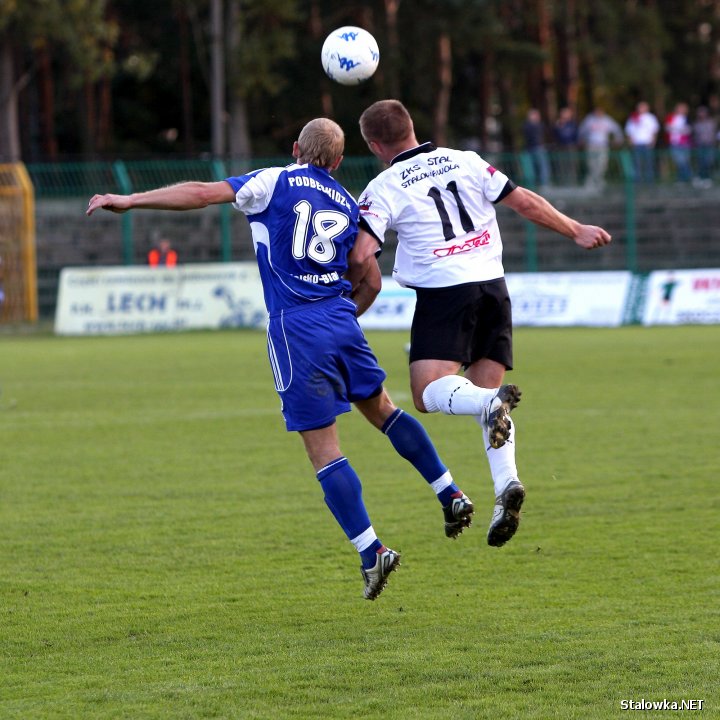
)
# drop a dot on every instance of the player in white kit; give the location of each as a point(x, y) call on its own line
point(441, 202)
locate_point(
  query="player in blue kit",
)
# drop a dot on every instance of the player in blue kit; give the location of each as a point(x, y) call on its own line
point(317, 278)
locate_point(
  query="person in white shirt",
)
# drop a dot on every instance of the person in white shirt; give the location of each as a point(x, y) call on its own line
point(441, 202)
point(597, 132)
point(641, 130)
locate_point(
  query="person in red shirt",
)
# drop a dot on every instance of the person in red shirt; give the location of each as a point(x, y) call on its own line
point(163, 255)
point(679, 132)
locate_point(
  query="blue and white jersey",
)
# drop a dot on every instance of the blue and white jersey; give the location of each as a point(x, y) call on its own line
point(304, 224)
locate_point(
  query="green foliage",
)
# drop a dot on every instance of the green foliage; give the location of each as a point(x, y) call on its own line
point(661, 51)
point(268, 31)
point(166, 552)
point(627, 47)
point(8, 12)
point(78, 28)
point(158, 56)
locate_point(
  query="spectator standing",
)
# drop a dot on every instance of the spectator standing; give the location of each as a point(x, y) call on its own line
point(641, 130)
point(534, 134)
point(596, 133)
point(565, 135)
point(163, 255)
point(679, 133)
point(705, 132)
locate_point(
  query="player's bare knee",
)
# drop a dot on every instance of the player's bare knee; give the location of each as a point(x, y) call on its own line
point(418, 403)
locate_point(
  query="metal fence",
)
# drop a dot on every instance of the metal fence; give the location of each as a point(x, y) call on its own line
point(571, 176)
point(566, 169)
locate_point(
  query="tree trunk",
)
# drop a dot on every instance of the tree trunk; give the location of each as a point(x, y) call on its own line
point(47, 102)
point(548, 97)
point(506, 97)
point(585, 61)
point(217, 82)
point(90, 135)
point(485, 88)
point(104, 130)
point(187, 130)
point(715, 39)
point(657, 84)
point(393, 63)
point(9, 131)
point(316, 32)
point(442, 107)
point(240, 143)
point(570, 60)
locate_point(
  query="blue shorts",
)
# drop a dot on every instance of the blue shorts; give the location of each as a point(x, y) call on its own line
point(321, 362)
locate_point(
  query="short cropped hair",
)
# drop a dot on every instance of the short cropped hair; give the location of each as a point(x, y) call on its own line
point(321, 142)
point(386, 121)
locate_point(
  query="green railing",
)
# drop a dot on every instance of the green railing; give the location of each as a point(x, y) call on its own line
point(568, 172)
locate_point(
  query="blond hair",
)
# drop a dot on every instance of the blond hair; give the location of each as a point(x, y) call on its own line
point(386, 121)
point(321, 142)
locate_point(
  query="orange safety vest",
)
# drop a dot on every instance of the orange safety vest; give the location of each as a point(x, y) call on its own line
point(168, 259)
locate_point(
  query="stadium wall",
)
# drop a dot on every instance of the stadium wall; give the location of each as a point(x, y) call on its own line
point(659, 227)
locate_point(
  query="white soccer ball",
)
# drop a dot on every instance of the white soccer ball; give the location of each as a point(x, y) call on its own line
point(350, 55)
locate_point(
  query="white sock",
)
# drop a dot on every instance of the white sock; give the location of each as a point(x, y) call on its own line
point(442, 482)
point(502, 460)
point(364, 540)
point(456, 395)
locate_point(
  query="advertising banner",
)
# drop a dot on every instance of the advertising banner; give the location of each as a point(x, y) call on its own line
point(392, 310)
point(682, 297)
point(124, 300)
point(572, 298)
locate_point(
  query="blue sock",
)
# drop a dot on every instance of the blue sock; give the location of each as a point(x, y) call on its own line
point(368, 557)
point(343, 495)
point(411, 441)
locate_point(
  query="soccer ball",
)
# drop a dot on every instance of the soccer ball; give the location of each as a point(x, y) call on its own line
point(350, 55)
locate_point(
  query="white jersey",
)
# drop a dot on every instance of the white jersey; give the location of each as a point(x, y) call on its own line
point(440, 203)
point(642, 128)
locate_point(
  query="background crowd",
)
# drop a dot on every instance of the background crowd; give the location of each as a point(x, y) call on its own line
point(690, 138)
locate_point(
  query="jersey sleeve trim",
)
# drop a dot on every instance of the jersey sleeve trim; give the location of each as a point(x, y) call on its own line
point(509, 187)
point(363, 224)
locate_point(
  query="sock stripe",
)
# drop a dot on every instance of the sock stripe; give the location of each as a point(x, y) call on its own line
point(324, 471)
point(450, 399)
point(387, 426)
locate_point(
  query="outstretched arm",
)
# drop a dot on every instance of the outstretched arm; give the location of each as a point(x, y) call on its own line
point(363, 271)
point(184, 196)
point(537, 209)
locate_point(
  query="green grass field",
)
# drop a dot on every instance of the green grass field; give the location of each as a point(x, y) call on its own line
point(165, 551)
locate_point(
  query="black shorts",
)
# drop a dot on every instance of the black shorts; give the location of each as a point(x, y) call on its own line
point(463, 323)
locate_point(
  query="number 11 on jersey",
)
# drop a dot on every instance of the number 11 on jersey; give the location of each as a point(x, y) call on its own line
point(465, 219)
